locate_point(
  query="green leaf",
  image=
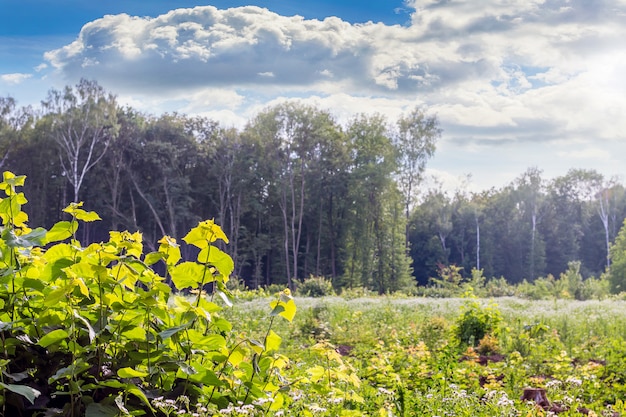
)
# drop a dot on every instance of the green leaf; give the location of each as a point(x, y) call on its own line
point(13, 180)
point(283, 309)
point(80, 214)
point(137, 334)
point(219, 259)
point(33, 238)
point(187, 274)
point(61, 231)
point(206, 377)
point(272, 341)
point(87, 216)
point(100, 410)
point(53, 337)
point(131, 373)
point(131, 389)
point(23, 390)
point(206, 232)
point(165, 334)
point(153, 257)
point(54, 296)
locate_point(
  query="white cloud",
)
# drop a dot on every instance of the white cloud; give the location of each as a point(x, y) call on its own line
point(509, 73)
point(587, 153)
point(15, 78)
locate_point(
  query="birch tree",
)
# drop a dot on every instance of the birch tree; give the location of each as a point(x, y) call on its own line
point(84, 124)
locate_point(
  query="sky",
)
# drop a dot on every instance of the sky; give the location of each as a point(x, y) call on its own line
point(515, 84)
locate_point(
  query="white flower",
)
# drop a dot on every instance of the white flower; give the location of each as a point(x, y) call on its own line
point(574, 381)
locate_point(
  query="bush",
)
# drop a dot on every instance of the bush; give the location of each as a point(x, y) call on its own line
point(315, 287)
point(351, 293)
point(97, 331)
point(475, 322)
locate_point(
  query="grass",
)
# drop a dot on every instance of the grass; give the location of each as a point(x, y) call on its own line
point(396, 356)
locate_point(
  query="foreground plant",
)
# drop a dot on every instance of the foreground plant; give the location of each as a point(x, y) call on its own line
point(96, 331)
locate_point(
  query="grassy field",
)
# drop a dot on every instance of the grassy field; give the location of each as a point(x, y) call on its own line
point(385, 356)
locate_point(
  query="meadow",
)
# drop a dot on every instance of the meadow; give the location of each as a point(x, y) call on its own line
point(401, 356)
point(96, 331)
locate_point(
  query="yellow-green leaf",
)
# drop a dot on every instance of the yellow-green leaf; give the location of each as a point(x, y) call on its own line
point(187, 274)
point(153, 257)
point(206, 232)
point(53, 337)
point(217, 258)
point(272, 341)
point(283, 309)
point(170, 249)
point(130, 373)
point(61, 231)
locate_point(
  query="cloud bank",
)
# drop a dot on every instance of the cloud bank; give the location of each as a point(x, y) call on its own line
point(507, 72)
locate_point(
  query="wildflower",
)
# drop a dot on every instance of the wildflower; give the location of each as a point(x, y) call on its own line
point(384, 391)
point(316, 409)
point(574, 381)
point(505, 401)
point(554, 383)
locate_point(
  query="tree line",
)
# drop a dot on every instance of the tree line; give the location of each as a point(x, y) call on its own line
point(299, 194)
point(528, 229)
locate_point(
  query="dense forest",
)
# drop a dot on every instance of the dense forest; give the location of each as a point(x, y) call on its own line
point(298, 194)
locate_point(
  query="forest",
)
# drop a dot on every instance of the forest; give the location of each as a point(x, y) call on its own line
point(300, 195)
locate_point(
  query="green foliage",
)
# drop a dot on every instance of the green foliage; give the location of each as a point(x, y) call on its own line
point(315, 287)
point(96, 330)
point(476, 321)
point(617, 273)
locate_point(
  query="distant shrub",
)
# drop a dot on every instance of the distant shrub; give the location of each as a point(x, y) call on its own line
point(475, 322)
point(315, 287)
point(356, 292)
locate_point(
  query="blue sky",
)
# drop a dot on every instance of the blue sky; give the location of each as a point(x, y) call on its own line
point(514, 83)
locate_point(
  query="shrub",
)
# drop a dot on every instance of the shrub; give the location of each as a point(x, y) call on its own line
point(475, 322)
point(351, 293)
point(96, 331)
point(315, 287)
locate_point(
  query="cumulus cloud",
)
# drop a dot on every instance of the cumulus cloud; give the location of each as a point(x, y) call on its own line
point(516, 71)
point(15, 78)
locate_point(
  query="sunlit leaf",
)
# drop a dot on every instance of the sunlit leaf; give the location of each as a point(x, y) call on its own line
point(217, 258)
point(272, 341)
point(53, 337)
point(170, 249)
point(75, 210)
point(130, 373)
point(136, 334)
point(206, 232)
point(61, 231)
point(153, 257)
point(187, 274)
point(284, 309)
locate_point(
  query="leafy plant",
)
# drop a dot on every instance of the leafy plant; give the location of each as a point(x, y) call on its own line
point(476, 321)
point(315, 287)
point(96, 331)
